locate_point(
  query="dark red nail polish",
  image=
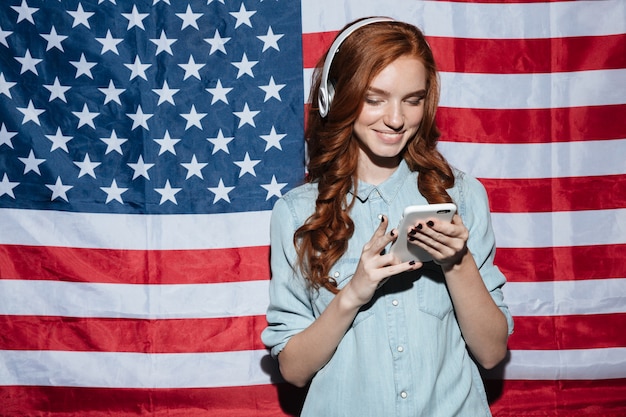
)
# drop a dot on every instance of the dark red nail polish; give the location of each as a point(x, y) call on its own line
point(430, 223)
point(419, 226)
point(412, 263)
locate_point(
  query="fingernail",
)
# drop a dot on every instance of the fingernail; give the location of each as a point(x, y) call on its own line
point(430, 223)
point(419, 226)
point(392, 233)
point(412, 232)
point(412, 238)
point(381, 217)
point(412, 263)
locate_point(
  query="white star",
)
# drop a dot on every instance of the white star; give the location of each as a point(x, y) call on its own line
point(141, 168)
point(59, 141)
point(168, 193)
point(272, 90)
point(221, 192)
point(31, 113)
point(135, 18)
point(167, 144)
point(247, 165)
point(164, 1)
point(242, 16)
point(246, 116)
point(138, 69)
point(87, 167)
point(59, 190)
point(166, 93)
point(113, 143)
point(194, 168)
point(28, 63)
point(220, 143)
point(189, 18)
point(3, 37)
point(139, 118)
point(193, 118)
point(83, 67)
point(54, 40)
point(210, 1)
point(191, 68)
point(5, 86)
point(6, 136)
point(274, 188)
point(24, 12)
point(114, 192)
point(219, 93)
point(273, 140)
point(109, 43)
point(85, 117)
point(217, 43)
point(102, 1)
point(111, 93)
point(31, 163)
point(245, 66)
point(6, 187)
point(81, 17)
point(270, 40)
point(163, 44)
point(57, 90)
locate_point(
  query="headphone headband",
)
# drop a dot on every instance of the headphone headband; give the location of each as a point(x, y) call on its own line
point(326, 92)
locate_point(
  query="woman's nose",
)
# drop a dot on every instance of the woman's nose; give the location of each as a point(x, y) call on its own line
point(394, 116)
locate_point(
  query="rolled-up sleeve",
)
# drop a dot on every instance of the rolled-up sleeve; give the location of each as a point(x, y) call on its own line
point(482, 244)
point(289, 311)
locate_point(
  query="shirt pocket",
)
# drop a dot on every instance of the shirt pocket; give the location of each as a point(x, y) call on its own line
point(342, 272)
point(432, 293)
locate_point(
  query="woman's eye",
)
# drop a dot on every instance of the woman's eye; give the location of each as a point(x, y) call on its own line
point(372, 100)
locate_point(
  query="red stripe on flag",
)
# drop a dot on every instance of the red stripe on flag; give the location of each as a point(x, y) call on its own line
point(528, 195)
point(523, 56)
point(515, 56)
point(591, 398)
point(531, 125)
point(562, 263)
point(134, 266)
point(569, 332)
point(253, 401)
point(189, 335)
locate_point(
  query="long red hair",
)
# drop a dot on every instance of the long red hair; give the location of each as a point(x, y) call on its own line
point(333, 150)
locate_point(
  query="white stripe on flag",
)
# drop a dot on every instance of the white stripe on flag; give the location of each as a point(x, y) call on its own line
point(564, 364)
point(537, 160)
point(54, 298)
point(132, 231)
point(523, 91)
point(136, 370)
point(77, 299)
point(560, 228)
point(118, 231)
point(561, 298)
point(477, 20)
point(532, 91)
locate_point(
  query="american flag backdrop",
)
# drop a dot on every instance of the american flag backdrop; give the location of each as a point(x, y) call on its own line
point(143, 144)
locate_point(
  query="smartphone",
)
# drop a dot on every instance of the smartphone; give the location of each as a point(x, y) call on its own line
point(412, 215)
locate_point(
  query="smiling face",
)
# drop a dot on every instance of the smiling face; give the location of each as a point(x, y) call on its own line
point(392, 111)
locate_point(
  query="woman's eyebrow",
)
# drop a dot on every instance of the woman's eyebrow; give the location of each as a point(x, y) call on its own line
point(374, 90)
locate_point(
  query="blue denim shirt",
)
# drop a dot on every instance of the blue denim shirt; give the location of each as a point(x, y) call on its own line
point(404, 354)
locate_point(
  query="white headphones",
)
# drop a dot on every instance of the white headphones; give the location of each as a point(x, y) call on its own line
point(327, 91)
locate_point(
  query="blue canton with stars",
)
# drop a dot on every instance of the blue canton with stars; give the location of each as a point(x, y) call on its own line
point(154, 106)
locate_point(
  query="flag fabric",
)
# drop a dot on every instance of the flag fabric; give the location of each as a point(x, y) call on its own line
point(143, 144)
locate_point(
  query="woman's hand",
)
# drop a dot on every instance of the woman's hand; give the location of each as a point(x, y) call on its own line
point(375, 266)
point(445, 242)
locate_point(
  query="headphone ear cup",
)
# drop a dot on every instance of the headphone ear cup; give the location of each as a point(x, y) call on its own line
point(323, 102)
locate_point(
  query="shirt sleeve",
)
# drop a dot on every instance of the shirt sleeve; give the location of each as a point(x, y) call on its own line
point(289, 311)
point(482, 243)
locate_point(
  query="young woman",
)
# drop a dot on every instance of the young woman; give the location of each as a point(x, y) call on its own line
point(374, 336)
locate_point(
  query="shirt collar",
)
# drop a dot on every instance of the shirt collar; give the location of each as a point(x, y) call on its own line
point(387, 189)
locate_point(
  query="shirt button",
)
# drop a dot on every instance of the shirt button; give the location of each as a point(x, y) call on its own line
point(403, 394)
point(400, 349)
point(336, 274)
point(395, 302)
